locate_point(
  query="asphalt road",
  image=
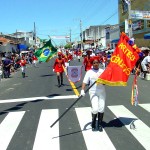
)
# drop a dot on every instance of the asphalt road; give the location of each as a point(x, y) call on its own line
point(28, 106)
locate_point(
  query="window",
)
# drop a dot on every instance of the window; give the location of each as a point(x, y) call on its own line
point(148, 23)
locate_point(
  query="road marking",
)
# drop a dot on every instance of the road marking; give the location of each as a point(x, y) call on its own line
point(45, 135)
point(8, 128)
point(90, 137)
point(74, 88)
point(145, 106)
point(142, 132)
point(38, 98)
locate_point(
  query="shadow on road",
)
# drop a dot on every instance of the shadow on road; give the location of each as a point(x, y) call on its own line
point(113, 123)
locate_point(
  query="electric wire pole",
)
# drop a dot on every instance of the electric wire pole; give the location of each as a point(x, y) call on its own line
point(81, 35)
point(129, 20)
point(34, 33)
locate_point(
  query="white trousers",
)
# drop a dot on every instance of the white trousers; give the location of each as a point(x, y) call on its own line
point(98, 102)
point(23, 69)
point(144, 67)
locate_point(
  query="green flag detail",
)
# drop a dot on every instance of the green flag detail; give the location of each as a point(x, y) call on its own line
point(45, 53)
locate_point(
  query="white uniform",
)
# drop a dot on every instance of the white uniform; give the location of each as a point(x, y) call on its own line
point(145, 61)
point(97, 91)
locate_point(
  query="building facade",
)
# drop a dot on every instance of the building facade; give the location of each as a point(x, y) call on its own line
point(140, 27)
point(102, 36)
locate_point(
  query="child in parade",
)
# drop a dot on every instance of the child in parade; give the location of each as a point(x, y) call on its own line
point(58, 67)
point(23, 63)
point(97, 93)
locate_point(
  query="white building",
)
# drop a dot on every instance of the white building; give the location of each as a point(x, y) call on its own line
point(101, 36)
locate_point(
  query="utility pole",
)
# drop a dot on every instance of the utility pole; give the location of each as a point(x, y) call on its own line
point(81, 35)
point(34, 33)
point(129, 19)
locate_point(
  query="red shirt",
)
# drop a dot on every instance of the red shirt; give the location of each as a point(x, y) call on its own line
point(34, 58)
point(22, 62)
point(79, 53)
point(58, 65)
point(104, 59)
point(87, 63)
point(67, 57)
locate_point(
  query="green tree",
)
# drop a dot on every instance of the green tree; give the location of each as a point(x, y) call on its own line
point(68, 45)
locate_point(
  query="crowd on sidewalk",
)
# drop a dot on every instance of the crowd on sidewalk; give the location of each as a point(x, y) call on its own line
point(12, 62)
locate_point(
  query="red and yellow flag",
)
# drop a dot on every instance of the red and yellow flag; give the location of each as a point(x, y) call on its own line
point(121, 63)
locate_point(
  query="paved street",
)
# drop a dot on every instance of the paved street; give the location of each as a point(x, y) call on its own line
point(29, 106)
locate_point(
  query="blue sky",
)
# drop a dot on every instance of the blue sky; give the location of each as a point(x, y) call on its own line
point(56, 17)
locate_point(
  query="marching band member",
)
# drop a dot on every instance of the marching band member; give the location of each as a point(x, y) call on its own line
point(34, 60)
point(67, 58)
point(96, 92)
point(58, 67)
point(79, 53)
point(87, 62)
point(23, 63)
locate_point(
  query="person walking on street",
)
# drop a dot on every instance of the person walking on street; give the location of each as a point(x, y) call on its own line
point(58, 67)
point(6, 66)
point(87, 62)
point(79, 54)
point(34, 60)
point(146, 65)
point(97, 93)
point(23, 63)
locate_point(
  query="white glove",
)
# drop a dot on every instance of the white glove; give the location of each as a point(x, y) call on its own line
point(82, 93)
point(53, 70)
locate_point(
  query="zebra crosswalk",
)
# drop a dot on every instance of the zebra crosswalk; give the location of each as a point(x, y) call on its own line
point(45, 137)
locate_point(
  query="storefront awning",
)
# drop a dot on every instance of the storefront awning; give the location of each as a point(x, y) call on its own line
point(147, 36)
point(21, 47)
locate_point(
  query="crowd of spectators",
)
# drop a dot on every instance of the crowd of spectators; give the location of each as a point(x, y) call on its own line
point(9, 62)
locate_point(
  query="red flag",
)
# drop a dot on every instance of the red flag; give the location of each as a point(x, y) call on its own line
point(121, 63)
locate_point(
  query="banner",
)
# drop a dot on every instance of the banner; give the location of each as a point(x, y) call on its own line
point(138, 14)
point(74, 73)
point(121, 63)
point(60, 37)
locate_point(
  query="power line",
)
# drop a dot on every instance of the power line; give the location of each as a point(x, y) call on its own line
point(110, 17)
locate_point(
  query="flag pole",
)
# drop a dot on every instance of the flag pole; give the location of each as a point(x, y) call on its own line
point(52, 40)
point(72, 105)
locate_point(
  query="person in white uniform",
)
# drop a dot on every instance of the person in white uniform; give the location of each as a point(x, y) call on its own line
point(97, 93)
point(146, 64)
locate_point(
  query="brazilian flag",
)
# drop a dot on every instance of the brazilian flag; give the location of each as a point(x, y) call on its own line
point(45, 53)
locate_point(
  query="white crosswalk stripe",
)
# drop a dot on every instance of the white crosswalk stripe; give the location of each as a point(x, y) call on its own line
point(90, 137)
point(145, 106)
point(142, 132)
point(8, 128)
point(46, 137)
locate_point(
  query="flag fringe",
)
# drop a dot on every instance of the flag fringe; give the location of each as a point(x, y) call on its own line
point(102, 81)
